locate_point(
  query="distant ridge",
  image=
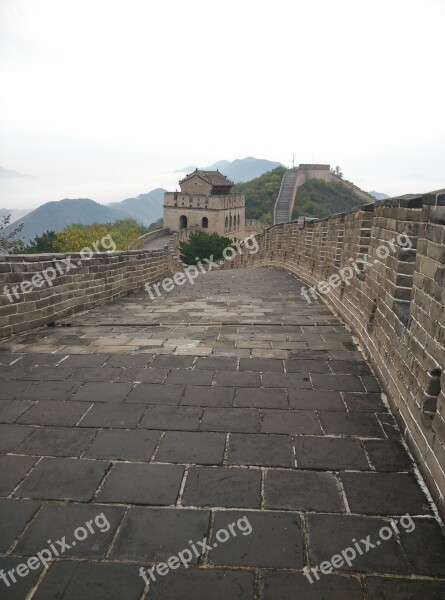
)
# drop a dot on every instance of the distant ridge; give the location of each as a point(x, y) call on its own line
point(56, 215)
point(146, 208)
point(9, 175)
point(379, 195)
point(239, 170)
point(13, 213)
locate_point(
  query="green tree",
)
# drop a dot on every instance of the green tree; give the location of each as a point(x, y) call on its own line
point(76, 237)
point(202, 245)
point(337, 171)
point(159, 224)
point(266, 219)
point(42, 243)
point(125, 233)
point(9, 242)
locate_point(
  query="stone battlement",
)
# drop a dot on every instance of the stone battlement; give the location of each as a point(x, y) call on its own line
point(314, 167)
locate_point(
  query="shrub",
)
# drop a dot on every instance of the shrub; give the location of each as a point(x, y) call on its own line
point(202, 245)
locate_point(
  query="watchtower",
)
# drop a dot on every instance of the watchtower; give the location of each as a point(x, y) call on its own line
point(205, 200)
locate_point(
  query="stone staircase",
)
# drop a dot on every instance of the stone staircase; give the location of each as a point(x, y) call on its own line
point(285, 196)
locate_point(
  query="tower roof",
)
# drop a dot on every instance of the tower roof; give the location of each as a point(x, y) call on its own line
point(215, 178)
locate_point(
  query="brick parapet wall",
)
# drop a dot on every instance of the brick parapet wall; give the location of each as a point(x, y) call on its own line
point(253, 226)
point(394, 304)
point(98, 279)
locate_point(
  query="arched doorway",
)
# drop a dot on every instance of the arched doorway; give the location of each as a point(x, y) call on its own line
point(205, 222)
point(182, 222)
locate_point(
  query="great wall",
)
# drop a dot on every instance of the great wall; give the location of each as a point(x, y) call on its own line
point(251, 310)
point(296, 177)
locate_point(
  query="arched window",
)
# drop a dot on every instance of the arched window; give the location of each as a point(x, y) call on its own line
point(226, 222)
point(182, 222)
point(231, 221)
point(238, 221)
point(205, 222)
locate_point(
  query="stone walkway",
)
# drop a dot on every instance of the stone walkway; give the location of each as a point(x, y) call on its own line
point(229, 410)
point(157, 243)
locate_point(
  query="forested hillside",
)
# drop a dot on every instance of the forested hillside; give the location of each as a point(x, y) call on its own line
point(315, 198)
point(261, 194)
point(318, 198)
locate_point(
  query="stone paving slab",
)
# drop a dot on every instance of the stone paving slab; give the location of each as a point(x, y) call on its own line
point(14, 516)
point(102, 581)
point(63, 479)
point(224, 584)
point(329, 587)
point(228, 487)
point(155, 534)
point(148, 427)
point(275, 540)
point(140, 483)
point(67, 517)
point(192, 447)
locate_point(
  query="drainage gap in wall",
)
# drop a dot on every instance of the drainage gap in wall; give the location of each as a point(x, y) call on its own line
point(402, 311)
point(429, 402)
point(372, 316)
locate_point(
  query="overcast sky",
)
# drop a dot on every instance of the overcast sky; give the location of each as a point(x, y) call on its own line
point(106, 98)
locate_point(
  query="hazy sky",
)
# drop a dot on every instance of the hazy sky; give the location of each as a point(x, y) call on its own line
point(106, 98)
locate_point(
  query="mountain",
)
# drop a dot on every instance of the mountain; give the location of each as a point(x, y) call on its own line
point(10, 181)
point(57, 215)
point(188, 169)
point(7, 175)
point(146, 208)
point(379, 195)
point(15, 214)
point(239, 170)
point(226, 165)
